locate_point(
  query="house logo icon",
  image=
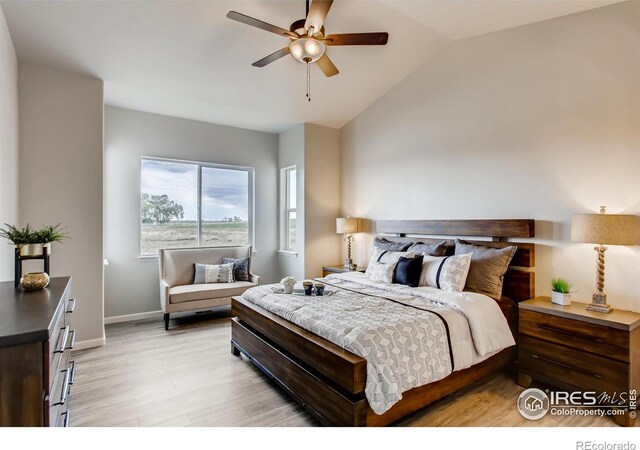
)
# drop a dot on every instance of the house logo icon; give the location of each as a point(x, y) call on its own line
point(533, 404)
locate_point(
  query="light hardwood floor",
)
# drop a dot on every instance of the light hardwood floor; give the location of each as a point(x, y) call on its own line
point(146, 376)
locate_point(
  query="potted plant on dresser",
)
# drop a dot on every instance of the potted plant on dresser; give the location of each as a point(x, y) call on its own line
point(31, 242)
point(561, 291)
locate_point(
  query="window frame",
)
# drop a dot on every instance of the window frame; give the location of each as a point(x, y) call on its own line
point(200, 165)
point(287, 210)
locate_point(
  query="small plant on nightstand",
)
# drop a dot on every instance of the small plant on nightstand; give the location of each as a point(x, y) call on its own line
point(561, 291)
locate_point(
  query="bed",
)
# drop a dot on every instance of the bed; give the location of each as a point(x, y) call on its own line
point(350, 388)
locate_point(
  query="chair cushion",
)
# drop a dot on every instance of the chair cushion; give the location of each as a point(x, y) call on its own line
point(193, 292)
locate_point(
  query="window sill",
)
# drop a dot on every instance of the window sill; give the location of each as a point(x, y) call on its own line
point(288, 253)
point(155, 257)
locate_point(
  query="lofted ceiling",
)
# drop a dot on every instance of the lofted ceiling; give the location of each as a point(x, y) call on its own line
point(186, 59)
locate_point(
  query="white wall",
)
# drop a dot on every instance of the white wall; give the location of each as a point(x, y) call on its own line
point(61, 165)
point(8, 144)
point(541, 121)
point(291, 144)
point(321, 198)
point(131, 284)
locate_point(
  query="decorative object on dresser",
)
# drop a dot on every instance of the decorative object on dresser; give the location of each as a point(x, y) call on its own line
point(561, 291)
point(36, 340)
point(348, 226)
point(32, 244)
point(604, 229)
point(34, 281)
point(576, 349)
point(330, 381)
point(328, 270)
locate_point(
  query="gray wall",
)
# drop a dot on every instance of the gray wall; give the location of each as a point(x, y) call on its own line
point(8, 144)
point(540, 121)
point(291, 153)
point(131, 284)
point(61, 166)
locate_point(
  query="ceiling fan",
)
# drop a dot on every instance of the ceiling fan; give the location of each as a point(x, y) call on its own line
point(308, 40)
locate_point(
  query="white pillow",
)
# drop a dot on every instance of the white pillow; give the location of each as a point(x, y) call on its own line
point(448, 273)
point(382, 272)
point(213, 273)
point(387, 257)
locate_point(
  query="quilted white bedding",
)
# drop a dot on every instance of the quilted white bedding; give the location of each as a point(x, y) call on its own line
point(409, 336)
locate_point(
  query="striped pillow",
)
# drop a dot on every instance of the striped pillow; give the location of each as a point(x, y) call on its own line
point(213, 273)
point(448, 273)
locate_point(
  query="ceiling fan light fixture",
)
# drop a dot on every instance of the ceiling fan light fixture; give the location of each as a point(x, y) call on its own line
point(307, 50)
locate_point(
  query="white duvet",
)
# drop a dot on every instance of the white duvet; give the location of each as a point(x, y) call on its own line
point(477, 327)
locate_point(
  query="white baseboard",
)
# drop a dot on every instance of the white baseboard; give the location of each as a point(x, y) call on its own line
point(131, 317)
point(90, 343)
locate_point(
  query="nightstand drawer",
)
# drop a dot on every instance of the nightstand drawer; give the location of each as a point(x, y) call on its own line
point(588, 337)
point(568, 365)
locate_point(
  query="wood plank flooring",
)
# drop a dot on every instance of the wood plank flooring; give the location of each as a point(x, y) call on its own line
point(146, 376)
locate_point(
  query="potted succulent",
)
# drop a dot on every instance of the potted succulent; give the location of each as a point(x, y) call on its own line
point(561, 291)
point(31, 242)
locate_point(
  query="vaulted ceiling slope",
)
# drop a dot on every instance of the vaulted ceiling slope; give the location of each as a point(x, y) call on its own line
point(186, 59)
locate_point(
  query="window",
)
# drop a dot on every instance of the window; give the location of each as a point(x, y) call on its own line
point(191, 204)
point(290, 209)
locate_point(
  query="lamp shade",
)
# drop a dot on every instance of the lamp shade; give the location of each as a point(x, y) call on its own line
point(347, 225)
point(606, 229)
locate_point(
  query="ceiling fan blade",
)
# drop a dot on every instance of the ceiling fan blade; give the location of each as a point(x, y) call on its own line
point(357, 39)
point(317, 13)
point(272, 57)
point(327, 66)
point(233, 15)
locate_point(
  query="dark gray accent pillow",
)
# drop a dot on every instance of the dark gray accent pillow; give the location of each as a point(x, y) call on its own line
point(437, 249)
point(488, 266)
point(391, 246)
point(240, 268)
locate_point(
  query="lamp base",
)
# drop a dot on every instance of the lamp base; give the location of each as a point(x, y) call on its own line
point(599, 303)
point(349, 265)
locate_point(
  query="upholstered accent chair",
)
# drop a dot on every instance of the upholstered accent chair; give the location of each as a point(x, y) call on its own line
point(177, 291)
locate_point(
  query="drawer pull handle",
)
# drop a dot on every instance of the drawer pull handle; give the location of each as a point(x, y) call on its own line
point(72, 341)
point(63, 340)
point(72, 306)
point(65, 388)
point(67, 418)
point(561, 331)
point(72, 368)
point(567, 366)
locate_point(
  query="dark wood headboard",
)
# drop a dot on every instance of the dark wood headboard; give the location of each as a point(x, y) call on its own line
point(519, 282)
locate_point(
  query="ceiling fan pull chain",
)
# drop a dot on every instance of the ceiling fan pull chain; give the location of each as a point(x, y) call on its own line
point(308, 83)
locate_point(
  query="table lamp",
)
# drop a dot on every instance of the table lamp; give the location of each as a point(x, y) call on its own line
point(604, 229)
point(348, 226)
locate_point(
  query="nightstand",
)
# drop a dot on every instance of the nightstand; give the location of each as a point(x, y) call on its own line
point(578, 350)
point(327, 270)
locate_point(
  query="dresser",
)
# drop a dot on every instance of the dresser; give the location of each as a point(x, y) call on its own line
point(574, 349)
point(36, 339)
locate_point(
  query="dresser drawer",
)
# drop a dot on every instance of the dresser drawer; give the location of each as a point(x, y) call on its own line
point(580, 335)
point(56, 403)
point(568, 365)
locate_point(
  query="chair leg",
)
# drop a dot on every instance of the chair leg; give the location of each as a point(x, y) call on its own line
point(166, 321)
